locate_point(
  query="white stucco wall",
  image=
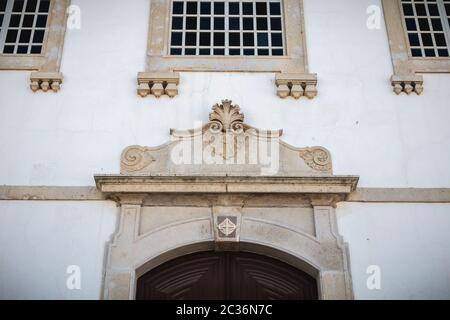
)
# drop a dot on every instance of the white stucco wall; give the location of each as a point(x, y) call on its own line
point(64, 138)
point(39, 240)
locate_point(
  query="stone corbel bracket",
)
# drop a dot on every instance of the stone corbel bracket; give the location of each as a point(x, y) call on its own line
point(158, 84)
point(45, 81)
point(296, 85)
point(407, 84)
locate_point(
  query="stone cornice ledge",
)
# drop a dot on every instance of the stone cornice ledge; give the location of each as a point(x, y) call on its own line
point(337, 185)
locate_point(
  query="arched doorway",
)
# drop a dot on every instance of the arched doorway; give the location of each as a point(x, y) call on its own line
point(228, 276)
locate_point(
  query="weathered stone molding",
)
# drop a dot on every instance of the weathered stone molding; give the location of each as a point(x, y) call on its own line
point(49, 61)
point(406, 76)
point(46, 81)
point(407, 84)
point(295, 61)
point(238, 208)
point(296, 85)
point(325, 200)
point(158, 84)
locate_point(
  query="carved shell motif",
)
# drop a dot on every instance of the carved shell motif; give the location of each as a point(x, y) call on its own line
point(226, 117)
point(135, 158)
point(317, 158)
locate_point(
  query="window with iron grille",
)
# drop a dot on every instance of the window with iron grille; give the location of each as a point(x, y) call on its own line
point(227, 28)
point(427, 24)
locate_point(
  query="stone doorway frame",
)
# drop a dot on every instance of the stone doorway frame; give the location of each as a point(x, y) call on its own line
point(232, 203)
point(140, 245)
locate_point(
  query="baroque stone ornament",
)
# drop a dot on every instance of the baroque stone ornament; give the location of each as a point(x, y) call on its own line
point(317, 158)
point(226, 117)
point(227, 222)
point(135, 158)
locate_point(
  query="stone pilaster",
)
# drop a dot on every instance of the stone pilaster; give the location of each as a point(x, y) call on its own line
point(119, 276)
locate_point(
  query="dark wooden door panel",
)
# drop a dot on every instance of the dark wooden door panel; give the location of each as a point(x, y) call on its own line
point(185, 278)
point(226, 275)
point(256, 278)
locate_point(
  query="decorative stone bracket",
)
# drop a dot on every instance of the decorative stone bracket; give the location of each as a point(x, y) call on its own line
point(45, 81)
point(332, 188)
point(296, 85)
point(158, 84)
point(407, 84)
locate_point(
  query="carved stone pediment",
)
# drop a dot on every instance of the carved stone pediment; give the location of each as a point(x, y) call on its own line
point(226, 186)
point(226, 146)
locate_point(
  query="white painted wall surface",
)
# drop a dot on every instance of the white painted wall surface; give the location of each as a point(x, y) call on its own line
point(409, 242)
point(39, 240)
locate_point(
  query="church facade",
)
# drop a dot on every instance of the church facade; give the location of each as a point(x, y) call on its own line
point(256, 149)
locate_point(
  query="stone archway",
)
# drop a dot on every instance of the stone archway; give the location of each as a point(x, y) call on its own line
point(171, 208)
point(300, 234)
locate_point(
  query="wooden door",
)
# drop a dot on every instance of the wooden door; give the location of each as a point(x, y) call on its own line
point(226, 276)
